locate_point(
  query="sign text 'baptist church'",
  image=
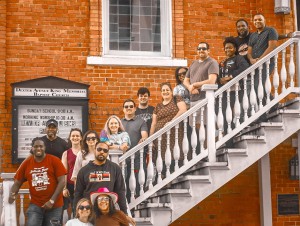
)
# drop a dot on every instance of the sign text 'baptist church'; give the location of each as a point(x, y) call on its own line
point(50, 92)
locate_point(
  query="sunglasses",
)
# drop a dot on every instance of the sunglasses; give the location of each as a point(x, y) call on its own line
point(202, 48)
point(182, 73)
point(128, 106)
point(102, 149)
point(100, 199)
point(91, 138)
point(88, 207)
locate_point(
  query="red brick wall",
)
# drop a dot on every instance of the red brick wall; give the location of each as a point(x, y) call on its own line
point(53, 37)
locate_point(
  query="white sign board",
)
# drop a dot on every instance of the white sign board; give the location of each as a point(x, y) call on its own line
point(49, 92)
point(32, 123)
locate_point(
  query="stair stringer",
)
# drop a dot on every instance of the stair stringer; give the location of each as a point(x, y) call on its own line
point(256, 150)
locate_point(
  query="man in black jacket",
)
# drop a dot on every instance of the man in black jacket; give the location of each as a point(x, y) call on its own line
point(101, 173)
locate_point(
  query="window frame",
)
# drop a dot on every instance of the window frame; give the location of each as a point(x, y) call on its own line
point(166, 33)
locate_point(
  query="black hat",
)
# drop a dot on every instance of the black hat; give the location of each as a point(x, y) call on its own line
point(51, 122)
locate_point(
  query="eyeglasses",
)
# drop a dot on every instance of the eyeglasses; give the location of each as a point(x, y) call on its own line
point(202, 48)
point(101, 199)
point(91, 138)
point(102, 149)
point(182, 73)
point(128, 106)
point(88, 207)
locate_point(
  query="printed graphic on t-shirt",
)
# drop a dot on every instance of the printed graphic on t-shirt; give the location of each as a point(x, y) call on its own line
point(40, 178)
point(99, 176)
point(145, 116)
point(243, 49)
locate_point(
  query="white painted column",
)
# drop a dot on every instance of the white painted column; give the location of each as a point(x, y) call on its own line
point(114, 155)
point(265, 191)
point(10, 214)
point(210, 116)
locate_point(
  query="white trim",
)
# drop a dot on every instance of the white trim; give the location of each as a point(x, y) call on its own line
point(136, 61)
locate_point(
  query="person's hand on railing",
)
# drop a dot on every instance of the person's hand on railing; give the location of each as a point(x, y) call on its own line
point(226, 79)
point(11, 197)
point(124, 147)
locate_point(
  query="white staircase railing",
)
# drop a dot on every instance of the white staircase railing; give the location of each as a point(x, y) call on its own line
point(252, 102)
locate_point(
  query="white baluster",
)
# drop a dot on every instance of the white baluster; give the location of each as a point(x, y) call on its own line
point(237, 106)
point(142, 172)
point(123, 166)
point(245, 99)
point(276, 76)
point(185, 141)
point(176, 150)
point(260, 89)
point(228, 112)
point(202, 134)
point(150, 168)
point(22, 216)
point(252, 94)
point(194, 138)
point(292, 66)
point(159, 163)
point(168, 157)
point(132, 180)
point(220, 121)
point(268, 82)
point(283, 73)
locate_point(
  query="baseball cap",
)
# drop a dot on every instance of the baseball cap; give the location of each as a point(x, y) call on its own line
point(51, 122)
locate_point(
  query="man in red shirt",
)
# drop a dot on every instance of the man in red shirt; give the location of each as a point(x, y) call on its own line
point(46, 178)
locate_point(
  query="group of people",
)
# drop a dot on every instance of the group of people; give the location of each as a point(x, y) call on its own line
point(79, 173)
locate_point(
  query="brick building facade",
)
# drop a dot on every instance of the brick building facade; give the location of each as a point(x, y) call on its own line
point(60, 38)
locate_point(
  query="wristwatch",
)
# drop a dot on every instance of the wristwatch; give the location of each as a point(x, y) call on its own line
point(51, 201)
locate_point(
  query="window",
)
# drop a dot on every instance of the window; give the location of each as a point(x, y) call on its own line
point(136, 27)
point(136, 32)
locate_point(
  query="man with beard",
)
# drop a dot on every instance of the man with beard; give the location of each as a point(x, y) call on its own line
point(54, 144)
point(242, 39)
point(144, 110)
point(100, 173)
point(205, 70)
point(46, 179)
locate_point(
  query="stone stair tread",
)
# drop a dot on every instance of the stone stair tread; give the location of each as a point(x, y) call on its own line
point(199, 178)
point(232, 151)
point(258, 138)
point(212, 165)
point(173, 191)
point(284, 111)
point(153, 205)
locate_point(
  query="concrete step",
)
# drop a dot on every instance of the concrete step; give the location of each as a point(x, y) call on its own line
point(143, 221)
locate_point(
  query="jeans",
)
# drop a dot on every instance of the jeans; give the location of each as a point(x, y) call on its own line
point(38, 216)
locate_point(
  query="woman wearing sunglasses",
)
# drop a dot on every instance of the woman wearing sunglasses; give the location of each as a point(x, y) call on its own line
point(114, 134)
point(180, 89)
point(89, 140)
point(84, 214)
point(106, 213)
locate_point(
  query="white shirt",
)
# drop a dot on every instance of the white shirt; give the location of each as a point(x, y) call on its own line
point(77, 222)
